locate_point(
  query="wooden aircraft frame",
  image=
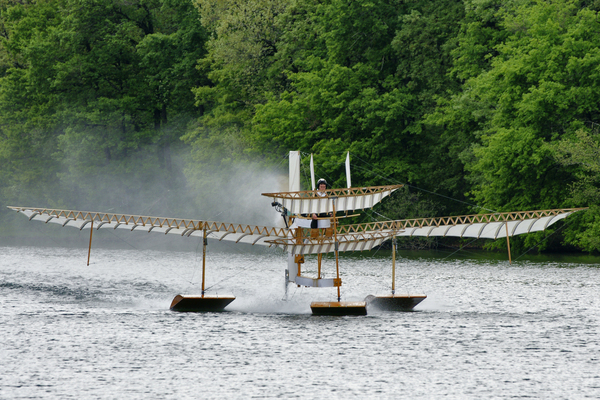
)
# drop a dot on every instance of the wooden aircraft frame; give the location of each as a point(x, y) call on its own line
point(301, 205)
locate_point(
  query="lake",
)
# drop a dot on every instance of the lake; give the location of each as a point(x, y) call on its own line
point(487, 329)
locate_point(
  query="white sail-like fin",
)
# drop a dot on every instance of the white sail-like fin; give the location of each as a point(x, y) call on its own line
point(294, 171)
point(312, 173)
point(348, 180)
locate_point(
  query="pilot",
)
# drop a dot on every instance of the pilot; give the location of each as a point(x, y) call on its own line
point(321, 187)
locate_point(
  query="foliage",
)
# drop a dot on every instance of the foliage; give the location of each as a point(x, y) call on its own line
point(245, 36)
point(93, 96)
point(483, 104)
point(583, 150)
point(538, 85)
point(532, 94)
point(364, 86)
point(409, 204)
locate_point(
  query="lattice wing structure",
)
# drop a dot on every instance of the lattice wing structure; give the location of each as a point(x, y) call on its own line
point(360, 237)
point(488, 226)
point(239, 233)
point(357, 237)
point(310, 202)
point(346, 242)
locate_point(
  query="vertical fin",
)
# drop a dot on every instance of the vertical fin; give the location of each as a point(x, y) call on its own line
point(294, 186)
point(348, 170)
point(294, 174)
point(312, 173)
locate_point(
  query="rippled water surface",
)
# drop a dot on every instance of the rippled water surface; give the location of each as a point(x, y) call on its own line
point(487, 329)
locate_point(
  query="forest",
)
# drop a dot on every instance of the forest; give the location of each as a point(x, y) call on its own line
point(152, 107)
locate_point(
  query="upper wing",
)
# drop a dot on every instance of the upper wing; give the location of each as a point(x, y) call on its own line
point(238, 233)
point(308, 202)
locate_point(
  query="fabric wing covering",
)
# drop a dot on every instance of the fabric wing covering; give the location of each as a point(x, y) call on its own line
point(239, 233)
point(309, 202)
point(484, 226)
point(357, 241)
point(350, 237)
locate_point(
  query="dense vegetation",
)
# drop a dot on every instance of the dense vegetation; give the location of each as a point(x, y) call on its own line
point(150, 105)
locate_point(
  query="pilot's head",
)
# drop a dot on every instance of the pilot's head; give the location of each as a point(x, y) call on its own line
point(321, 184)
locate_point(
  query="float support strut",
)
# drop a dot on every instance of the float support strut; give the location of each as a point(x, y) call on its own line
point(337, 262)
point(90, 246)
point(394, 265)
point(508, 244)
point(204, 240)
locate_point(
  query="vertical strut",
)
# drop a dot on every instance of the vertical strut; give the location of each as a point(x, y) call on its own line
point(90, 246)
point(204, 240)
point(337, 261)
point(508, 243)
point(319, 258)
point(394, 265)
point(298, 234)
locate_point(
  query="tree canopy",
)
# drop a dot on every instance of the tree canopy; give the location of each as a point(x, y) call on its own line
point(480, 104)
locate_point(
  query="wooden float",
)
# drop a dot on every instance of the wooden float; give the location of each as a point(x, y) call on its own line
point(338, 307)
point(394, 302)
point(200, 303)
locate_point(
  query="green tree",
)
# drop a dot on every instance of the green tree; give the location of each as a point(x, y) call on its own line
point(583, 151)
point(424, 47)
point(328, 77)
point(539, 87)
point(27, 124)
point(108, 86)
point(362, 77)
point(244, 38)
point(536, 84)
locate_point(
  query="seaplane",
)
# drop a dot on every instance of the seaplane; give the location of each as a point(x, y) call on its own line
point(312, 225)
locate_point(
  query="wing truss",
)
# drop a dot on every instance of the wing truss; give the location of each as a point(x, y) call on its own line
point(327, 244)
point(356, 237)
point(239, 233)
point(310, 202)
point(488, 226)
point(360, 237)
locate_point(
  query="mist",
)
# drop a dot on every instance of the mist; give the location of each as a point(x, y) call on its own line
point(143, 184)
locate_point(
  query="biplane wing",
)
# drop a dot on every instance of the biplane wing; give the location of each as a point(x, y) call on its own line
point(222, 231)
point(355, 240)
point(310, 202)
